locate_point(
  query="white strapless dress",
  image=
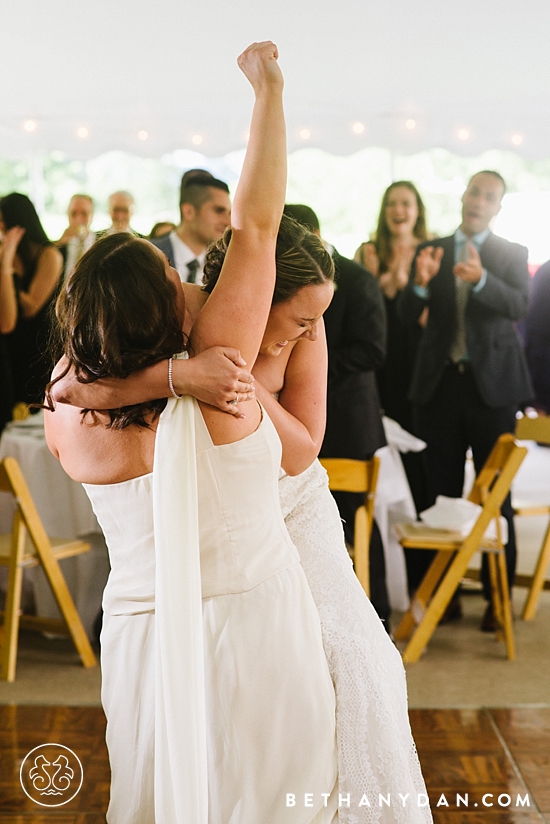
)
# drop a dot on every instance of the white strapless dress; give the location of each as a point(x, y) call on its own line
point(269, 699)
point(376, 752)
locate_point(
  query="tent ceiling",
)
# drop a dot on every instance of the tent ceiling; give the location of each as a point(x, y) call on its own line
point(168, 69)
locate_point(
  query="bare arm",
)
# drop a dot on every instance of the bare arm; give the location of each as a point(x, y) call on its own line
point(237, 310)
point(214, 377)
point(43, 283)
point(8, 300)
point(300, 413)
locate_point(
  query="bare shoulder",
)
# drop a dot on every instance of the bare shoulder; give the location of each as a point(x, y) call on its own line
point(51, 256)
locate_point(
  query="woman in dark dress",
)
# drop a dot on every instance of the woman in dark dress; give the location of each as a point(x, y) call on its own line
point(401, 227)
point(31, 268)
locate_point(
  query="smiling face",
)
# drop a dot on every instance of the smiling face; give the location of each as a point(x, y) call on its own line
point(296, 318)
point(481, 202)
point(401, 211)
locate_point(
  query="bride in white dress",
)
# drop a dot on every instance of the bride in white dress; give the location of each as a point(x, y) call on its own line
point(376, 751)
point(217, 712)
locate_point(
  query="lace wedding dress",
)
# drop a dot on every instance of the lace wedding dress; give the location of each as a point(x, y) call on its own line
point(376, 752)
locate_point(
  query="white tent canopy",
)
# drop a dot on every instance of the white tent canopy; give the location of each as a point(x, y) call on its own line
point(150, 78)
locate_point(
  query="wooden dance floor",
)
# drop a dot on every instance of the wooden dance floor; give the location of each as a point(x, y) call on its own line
point(492, 754)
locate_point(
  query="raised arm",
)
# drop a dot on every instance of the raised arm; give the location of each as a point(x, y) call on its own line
point(236, 312)
point(8, 299)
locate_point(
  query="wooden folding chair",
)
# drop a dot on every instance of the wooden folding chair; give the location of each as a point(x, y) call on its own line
point(534, 429)
point(346, 475)
point(27, 546)
point(454, 553)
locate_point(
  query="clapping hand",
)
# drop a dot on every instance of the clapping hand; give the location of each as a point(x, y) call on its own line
point(471, 270)
point(259, 64)
point(427, 266)
point(10, 242)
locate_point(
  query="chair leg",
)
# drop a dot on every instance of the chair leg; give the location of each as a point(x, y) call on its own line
point(496, 599)
point(361, 549)
point(67, 608)
point(437, 606)
point(539, 576)
point(13, 603)
point(422, 596)
point(507, 623)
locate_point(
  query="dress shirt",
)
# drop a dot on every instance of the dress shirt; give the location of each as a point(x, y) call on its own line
point(183, 255)
point(76, 247)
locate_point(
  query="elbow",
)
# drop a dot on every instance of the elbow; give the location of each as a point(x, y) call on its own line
point(296, 462)
point(7, 326)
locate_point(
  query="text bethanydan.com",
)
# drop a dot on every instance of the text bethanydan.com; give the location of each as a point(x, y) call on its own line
point(407, 800)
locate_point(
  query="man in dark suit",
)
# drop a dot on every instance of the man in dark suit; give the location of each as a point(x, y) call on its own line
point(355, 324)
point(205, 214)
point(470, 374)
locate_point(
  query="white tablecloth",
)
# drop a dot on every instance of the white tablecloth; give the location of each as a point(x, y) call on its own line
point(65, 512)
point(394, 504)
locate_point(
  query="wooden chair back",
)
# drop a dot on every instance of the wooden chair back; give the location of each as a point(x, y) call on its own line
point(28, 545)
point(347, 475)
point(493, 483)
point(533, 428)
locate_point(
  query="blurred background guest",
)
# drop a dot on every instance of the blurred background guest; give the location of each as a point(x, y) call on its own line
point(77, 237)
point(536, 330)
point(356, 328)
point(35, 266)
point(164, 227)
point(121, 209)
point(205, 211)
point(401, 227)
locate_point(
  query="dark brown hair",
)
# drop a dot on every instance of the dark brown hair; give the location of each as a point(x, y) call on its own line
point(300, 260)
point(115, 315)
point(382, 238)
point(18, 210)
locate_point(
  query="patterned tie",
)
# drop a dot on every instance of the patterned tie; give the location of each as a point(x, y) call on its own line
point(458, 350)
point(192, 268)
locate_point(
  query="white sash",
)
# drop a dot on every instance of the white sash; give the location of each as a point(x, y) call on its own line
point(181, 783)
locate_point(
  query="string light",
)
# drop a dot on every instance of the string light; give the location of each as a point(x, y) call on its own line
point(517, 139)
point(29, 125)
point(305, 134)
point(410, 124)
point(463, 134)
point(358, 128)
point(196, 139)
point(143, 135)
point(83, 132)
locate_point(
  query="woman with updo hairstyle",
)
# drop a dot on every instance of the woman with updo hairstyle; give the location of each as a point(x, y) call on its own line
point(300, 259)
point(31, 268)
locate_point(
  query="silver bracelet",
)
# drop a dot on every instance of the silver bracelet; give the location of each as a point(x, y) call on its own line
point(170, 381)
